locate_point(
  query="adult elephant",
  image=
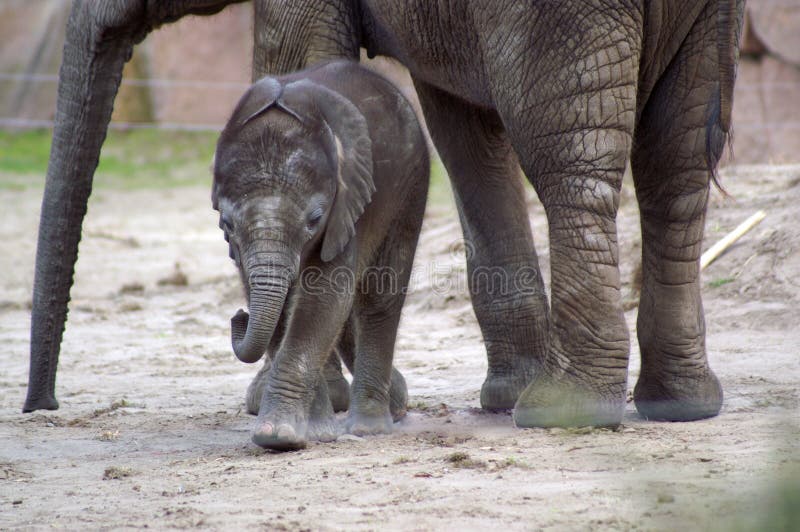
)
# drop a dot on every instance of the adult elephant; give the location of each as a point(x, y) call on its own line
point(568, 90)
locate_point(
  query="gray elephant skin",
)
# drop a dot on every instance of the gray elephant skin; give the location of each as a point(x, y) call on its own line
point(568, 92)
point(320, 179)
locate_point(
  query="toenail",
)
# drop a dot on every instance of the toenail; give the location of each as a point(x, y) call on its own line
point(285, 431)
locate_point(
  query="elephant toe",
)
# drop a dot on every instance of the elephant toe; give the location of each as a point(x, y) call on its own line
point(678, 399)
point(278, 437)
point(323, 430)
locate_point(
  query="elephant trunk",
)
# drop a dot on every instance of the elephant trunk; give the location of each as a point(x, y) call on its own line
point(251, 334)
point(88, 81)
point(99, 40)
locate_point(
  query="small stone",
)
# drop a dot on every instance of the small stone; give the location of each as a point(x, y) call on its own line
point(665, 498)
point(132, 288)
point(177, 278)
point(116, 473)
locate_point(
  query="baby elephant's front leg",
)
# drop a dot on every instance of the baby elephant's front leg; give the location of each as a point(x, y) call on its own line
point(321, 424)
point(291, 429)
point(338, 387)
point(295, 406)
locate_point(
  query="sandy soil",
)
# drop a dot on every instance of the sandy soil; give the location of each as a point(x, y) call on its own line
point(152, 429)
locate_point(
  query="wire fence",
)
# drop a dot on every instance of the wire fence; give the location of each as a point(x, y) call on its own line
point(134, 82)
point(17, 122)
point(25, 123)
point(10, 122)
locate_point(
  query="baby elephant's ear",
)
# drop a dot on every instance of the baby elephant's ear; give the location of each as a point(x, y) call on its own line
point(352, 150)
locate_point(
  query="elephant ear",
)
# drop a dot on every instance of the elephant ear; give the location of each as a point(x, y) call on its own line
point(351, 149)
point(266, 93)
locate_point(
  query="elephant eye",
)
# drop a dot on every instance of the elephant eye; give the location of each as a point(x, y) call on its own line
point(315, 217)
point(225, 223)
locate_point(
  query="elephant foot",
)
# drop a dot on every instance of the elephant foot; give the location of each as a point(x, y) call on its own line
point(684, 398)
point(398, 396)
point(42, 402)
point(290, 433)
point(369, 421)
point(339, 392)
point(564, 401)
point(338, 387)
point(323, 430)
point(368, 425)
point(280, 436)
point(501, 391)
point(286, 426)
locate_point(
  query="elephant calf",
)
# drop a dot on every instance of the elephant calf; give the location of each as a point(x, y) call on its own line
point(321, 178)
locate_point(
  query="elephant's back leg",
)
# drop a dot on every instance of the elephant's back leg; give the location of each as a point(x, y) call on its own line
point(678, 141)
point(569, 109)
point(504, 280)
point(346, 350)
point(378, 394)
point(338, 387)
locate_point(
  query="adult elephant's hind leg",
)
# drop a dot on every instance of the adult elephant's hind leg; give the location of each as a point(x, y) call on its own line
point(503, 272)
point(678, 139)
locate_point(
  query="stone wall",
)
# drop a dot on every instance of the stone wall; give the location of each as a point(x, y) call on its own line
point(193, 72)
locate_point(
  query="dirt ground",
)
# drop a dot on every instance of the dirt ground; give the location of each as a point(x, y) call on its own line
point(152, 430)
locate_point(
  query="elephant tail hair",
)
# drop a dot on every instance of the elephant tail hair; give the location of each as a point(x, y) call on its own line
point(730, 16)
point(719, 130)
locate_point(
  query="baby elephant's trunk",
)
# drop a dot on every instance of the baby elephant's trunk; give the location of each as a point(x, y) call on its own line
point(251, 334)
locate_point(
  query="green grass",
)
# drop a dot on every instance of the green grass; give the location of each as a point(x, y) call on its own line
point(129, 159)
point(439, 192)
point(716, 283)
point(140, 159)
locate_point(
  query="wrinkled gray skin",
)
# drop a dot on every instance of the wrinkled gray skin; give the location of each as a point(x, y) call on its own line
point(338, 387)
point(568, 91)
point(320, 178)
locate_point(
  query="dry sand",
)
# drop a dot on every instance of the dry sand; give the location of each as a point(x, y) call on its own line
point(152, 429)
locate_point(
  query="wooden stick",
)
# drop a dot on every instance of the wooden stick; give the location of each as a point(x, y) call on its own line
point(719, 248)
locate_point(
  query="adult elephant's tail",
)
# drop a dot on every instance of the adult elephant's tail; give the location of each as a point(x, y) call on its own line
point(730, 17)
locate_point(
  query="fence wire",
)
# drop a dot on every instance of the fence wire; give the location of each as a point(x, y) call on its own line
point(24, 123)
point(161, 83)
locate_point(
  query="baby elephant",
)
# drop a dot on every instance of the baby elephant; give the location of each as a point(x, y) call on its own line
point(320, 178)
